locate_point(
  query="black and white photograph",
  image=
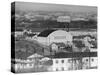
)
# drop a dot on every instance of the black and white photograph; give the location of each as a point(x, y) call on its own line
point(48, 37)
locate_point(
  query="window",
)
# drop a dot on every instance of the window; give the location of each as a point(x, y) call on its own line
point(56, 61)
point(92, 60)
point(69, 60)
point(86, 59)
point(30, 64)
point(56, 69)
point(62, 61)
point(62, 68)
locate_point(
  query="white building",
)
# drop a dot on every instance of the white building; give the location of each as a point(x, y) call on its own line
point(23, 65)
point(93, 62)
point(61, 64)
point(26, 64)
point(48, 37)
point(94, 59)
point(93, 50)
point(18, 33)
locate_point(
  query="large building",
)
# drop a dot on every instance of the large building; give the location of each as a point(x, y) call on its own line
point(47, 37)
point(62, 64)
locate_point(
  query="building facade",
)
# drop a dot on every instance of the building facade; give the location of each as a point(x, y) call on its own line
point(58, 36)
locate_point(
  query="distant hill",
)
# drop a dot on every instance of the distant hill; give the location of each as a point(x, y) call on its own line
point(91, 24)
point(47, 19)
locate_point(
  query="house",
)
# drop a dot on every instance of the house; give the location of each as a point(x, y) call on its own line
point(30, 36)
point(90, 60)
point(50, 36)
point(59, 47)
point(22, 64)
point(61, 62)
point(54, 47)
point(27, 63)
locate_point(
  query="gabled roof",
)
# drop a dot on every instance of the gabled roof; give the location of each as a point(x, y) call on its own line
point(45, 33)
point(35, 56)
point(31, 35)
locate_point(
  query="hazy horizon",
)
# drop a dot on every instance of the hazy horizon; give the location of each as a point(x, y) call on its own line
point(31, 6)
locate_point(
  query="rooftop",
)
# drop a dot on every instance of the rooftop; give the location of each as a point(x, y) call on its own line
point(74, 55)
point(45, 33)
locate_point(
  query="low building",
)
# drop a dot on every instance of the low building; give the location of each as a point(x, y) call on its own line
point(22, 64)
point(27, 63)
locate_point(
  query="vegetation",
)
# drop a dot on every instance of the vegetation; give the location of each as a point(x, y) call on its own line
point(26, 48)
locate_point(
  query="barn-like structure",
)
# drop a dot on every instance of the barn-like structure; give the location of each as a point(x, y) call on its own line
point(47, 37)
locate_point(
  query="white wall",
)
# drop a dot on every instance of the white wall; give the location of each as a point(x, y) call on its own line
point(60, 36)
point(86, 62)
point(57, 64)
point(94, 61)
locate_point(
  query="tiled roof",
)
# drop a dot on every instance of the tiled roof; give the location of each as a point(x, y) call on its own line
point(74, 55)
point(45, 33)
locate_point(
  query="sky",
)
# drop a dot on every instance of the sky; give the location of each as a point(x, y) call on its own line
point(28, 6)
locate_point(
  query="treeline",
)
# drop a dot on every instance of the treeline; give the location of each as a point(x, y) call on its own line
point(92, 24)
